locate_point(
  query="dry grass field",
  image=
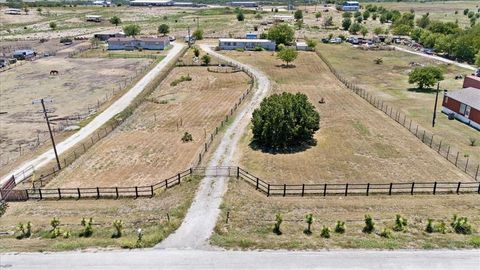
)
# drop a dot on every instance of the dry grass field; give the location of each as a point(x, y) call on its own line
point(358, 66)
point(81, 85)
point(148, 214)
point(252, 216)
point(148, 146)
point(355, 143)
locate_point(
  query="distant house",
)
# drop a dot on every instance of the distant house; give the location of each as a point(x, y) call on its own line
point(107, 35)
point(283, 18)
point(251, 36)
point(24, 54)
point(301, 46)
point(471, 81)
point(13, 11)
point(93, 18)
point(243, 4)
point(157, 3)
point(130, 43)
point(463, 105)
point(246, 44)
point(351, 6)
point(102, 3)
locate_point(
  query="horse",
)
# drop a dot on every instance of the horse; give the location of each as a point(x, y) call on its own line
point(53, 72)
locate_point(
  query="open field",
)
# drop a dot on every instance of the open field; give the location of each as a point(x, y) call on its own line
point(252, 216)
point(148, 214)
point(355, 143)
point(148, 147)
point(389, 81)
point(90, 81)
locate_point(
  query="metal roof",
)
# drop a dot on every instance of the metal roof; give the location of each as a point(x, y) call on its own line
point(469, 96)
point(244, 40)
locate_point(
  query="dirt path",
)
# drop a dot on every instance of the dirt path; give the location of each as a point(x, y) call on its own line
point(98, 121)
point(201, 218)
point(434, 57)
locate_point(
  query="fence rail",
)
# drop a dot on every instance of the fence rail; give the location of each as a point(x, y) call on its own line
point(461, 160)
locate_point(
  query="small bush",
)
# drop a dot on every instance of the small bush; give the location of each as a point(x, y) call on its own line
point(186, 78)
point(258, 49)
point(386, 233)
point(430, 228)
point(400, 223)
point(3, 208)
point(24, 230)
point(378, 61)
point(55, 231)
point(67, 234)
point(309, 219)
point(278, 222)
point(87, 227)
point(240, 49)
point(473, 141)
point(325, 232)
point(340, 227)
point(118, 226)
point(369, 224)
point(139, 243)
point(187, 137)
point(441, 227)
point(460, 225)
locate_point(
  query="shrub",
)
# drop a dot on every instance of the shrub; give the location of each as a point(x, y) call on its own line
point(441, 227)
point(181, 79)
point(460, 225)
point(240, 16)
point(309, 219)
point(278, 222)
point(132, 30)
point(285, 120)
point(325, 232)
point(55, 231)
point(196, 51)
point(187, 137)
point(378, 61)
point(25, 230)
point(53, 25)
point(287, 55)
point(473, 142)
point(118, 226)
point(400, 223)
point(340, 227)
point(425, 76)
point(67, 234)
point(163, 29)
point(386, 233)
point(206, 59)
point(139, 243)
point(258, 49)
point(430, 228)
point(3, 208)
point(369, 224)
point(87, 227)
point(240, 49)
point(198, 34)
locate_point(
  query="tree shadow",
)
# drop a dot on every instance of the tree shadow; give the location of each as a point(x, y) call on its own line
point(423, 90)
point(285, 66)
point(254, 145)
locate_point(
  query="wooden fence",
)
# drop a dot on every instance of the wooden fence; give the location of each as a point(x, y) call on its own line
point(460, 160)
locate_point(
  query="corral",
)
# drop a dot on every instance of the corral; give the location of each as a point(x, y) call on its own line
point(148, 146)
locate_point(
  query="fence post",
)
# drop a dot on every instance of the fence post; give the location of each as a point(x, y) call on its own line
point(478, 191)
point(268, 190)
point(166, 183)
point(40, 193)
point(256, 187)
point(136, 192)
point(466, 164)
point(458, 187)
point(191, 170)
point(431, 141)
point(448, 152)
point(178, 177)
point(206, 147)
point(303, 189)
point(434, 187)
point(440, 146)
point(116, 192)
point(228, 217)
point(151, 191)
point(390, 189)
point(238, 172)
point(476, 174)
point(28, 195)
point(456, 159)
point(413, 185)
point(284, 189)
point(325, 190)
point(78, 191)
point(98, 193)
point(59, 194)
point(423, 136)
point(368, 188)
point(346, 189)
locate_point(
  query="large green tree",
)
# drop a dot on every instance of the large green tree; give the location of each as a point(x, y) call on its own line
point(163, 29)
point(115, 20)
point(281, 34)
point(285, 120)
point(287, 55)
point(425, 76)
point(131, 30)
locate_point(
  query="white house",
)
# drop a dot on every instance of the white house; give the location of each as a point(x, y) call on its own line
point(246, 44)
point(130, 43)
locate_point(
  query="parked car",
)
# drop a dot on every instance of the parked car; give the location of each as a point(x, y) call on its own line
point(171, 38)
point(427, 51)
point(3, 62)
point(325, 40)
point(336, 40)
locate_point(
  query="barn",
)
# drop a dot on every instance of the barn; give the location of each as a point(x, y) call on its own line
point(463, 105)
point(471, 81)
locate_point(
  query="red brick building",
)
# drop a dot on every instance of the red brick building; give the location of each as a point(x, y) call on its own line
point(471, 81)
point(463, 105)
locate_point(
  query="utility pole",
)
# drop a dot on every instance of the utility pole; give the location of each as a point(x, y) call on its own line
point(45, 113)
point(435, 106)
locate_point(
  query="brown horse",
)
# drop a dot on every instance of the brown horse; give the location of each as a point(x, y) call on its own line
point(53, 72)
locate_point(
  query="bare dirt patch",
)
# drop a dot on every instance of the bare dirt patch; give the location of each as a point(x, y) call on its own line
point(355, 143)
point(148, 146)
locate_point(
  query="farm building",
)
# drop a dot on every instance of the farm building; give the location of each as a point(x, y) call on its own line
point(130, 43)
point(351, 6)
point(246, 44)
point(158, 3)
point(243, 4)
point(13, 11)
point(93, 18)
point(24, 54)
point(301, 46)
point(463, 105)
point(104, 36)
point(471, 81)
